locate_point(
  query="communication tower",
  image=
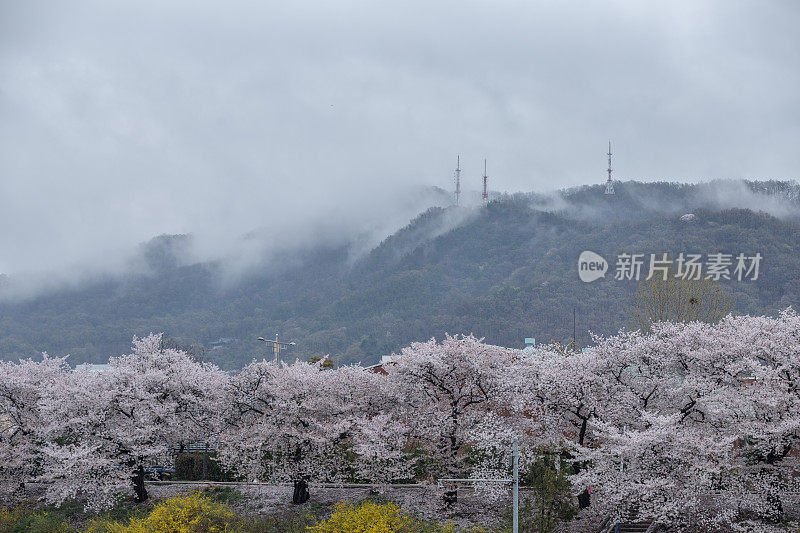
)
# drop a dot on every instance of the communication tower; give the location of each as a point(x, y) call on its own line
point(609, 183)
point(485, 194)
point(458, 179)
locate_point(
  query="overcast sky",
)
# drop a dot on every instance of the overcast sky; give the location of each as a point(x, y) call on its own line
point(124, 120)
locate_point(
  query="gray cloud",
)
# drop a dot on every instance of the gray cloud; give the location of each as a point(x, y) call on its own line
point(125, 120)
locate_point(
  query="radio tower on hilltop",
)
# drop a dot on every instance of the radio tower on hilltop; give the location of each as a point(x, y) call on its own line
point(485, 194)
point(458, 179)
point(609, 183)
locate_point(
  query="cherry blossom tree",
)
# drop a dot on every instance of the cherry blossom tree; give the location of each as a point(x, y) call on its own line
point(656, 423)
point(383, 454)
point(562, 391)
point(21, 386)
point(653, 416)
point(765, 406)
point(103, 428)
point(694, 409)
point(292, 423)
point(452, 397)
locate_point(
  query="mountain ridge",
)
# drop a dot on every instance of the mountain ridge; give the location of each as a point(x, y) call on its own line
point(504, 271)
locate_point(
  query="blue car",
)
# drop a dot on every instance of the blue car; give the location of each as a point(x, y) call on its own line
point(159, 473)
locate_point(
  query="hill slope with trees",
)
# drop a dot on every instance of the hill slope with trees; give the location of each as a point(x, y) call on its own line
point(504, 271)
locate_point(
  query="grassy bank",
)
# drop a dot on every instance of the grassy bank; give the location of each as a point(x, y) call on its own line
point(215, 510)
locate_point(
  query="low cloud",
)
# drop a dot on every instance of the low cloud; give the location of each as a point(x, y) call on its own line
point(276, 124)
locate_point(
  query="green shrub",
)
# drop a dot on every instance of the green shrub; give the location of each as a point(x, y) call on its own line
point(288, 524)
point(550, 501)
point(189, 467)
point(20, 520)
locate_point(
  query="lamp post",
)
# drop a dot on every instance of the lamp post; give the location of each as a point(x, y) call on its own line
point(515, 489)
point(276, 345)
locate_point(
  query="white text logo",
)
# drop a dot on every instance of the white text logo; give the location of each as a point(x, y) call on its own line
point(591, 266)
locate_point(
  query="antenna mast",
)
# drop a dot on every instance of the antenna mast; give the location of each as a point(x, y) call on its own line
point(458, 178)
point(485, 194)
point(609, 183)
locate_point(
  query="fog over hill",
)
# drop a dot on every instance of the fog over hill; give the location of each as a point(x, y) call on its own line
point(270, 246)
point(504, 271)
point(267, 125)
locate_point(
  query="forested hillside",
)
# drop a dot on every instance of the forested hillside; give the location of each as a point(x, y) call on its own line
point(503, 271)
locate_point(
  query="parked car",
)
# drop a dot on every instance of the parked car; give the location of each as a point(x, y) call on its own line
point(159, 473)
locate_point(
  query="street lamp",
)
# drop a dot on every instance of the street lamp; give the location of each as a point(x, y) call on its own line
point(276, 346)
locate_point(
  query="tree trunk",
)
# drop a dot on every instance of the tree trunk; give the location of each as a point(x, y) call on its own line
point(450, 496)
point(584, 499)
point(301, 494)
point(774, 509)
point(582, 433)
point(138, 485)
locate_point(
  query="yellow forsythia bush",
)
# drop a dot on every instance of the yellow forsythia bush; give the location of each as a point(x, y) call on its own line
point(194, 513)
point(369, 517)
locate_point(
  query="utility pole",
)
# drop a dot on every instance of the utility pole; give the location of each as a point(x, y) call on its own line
point(574, 334)
point(515, 453)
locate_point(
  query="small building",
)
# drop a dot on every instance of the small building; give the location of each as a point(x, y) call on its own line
point(93, 367)
point(379, 367)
